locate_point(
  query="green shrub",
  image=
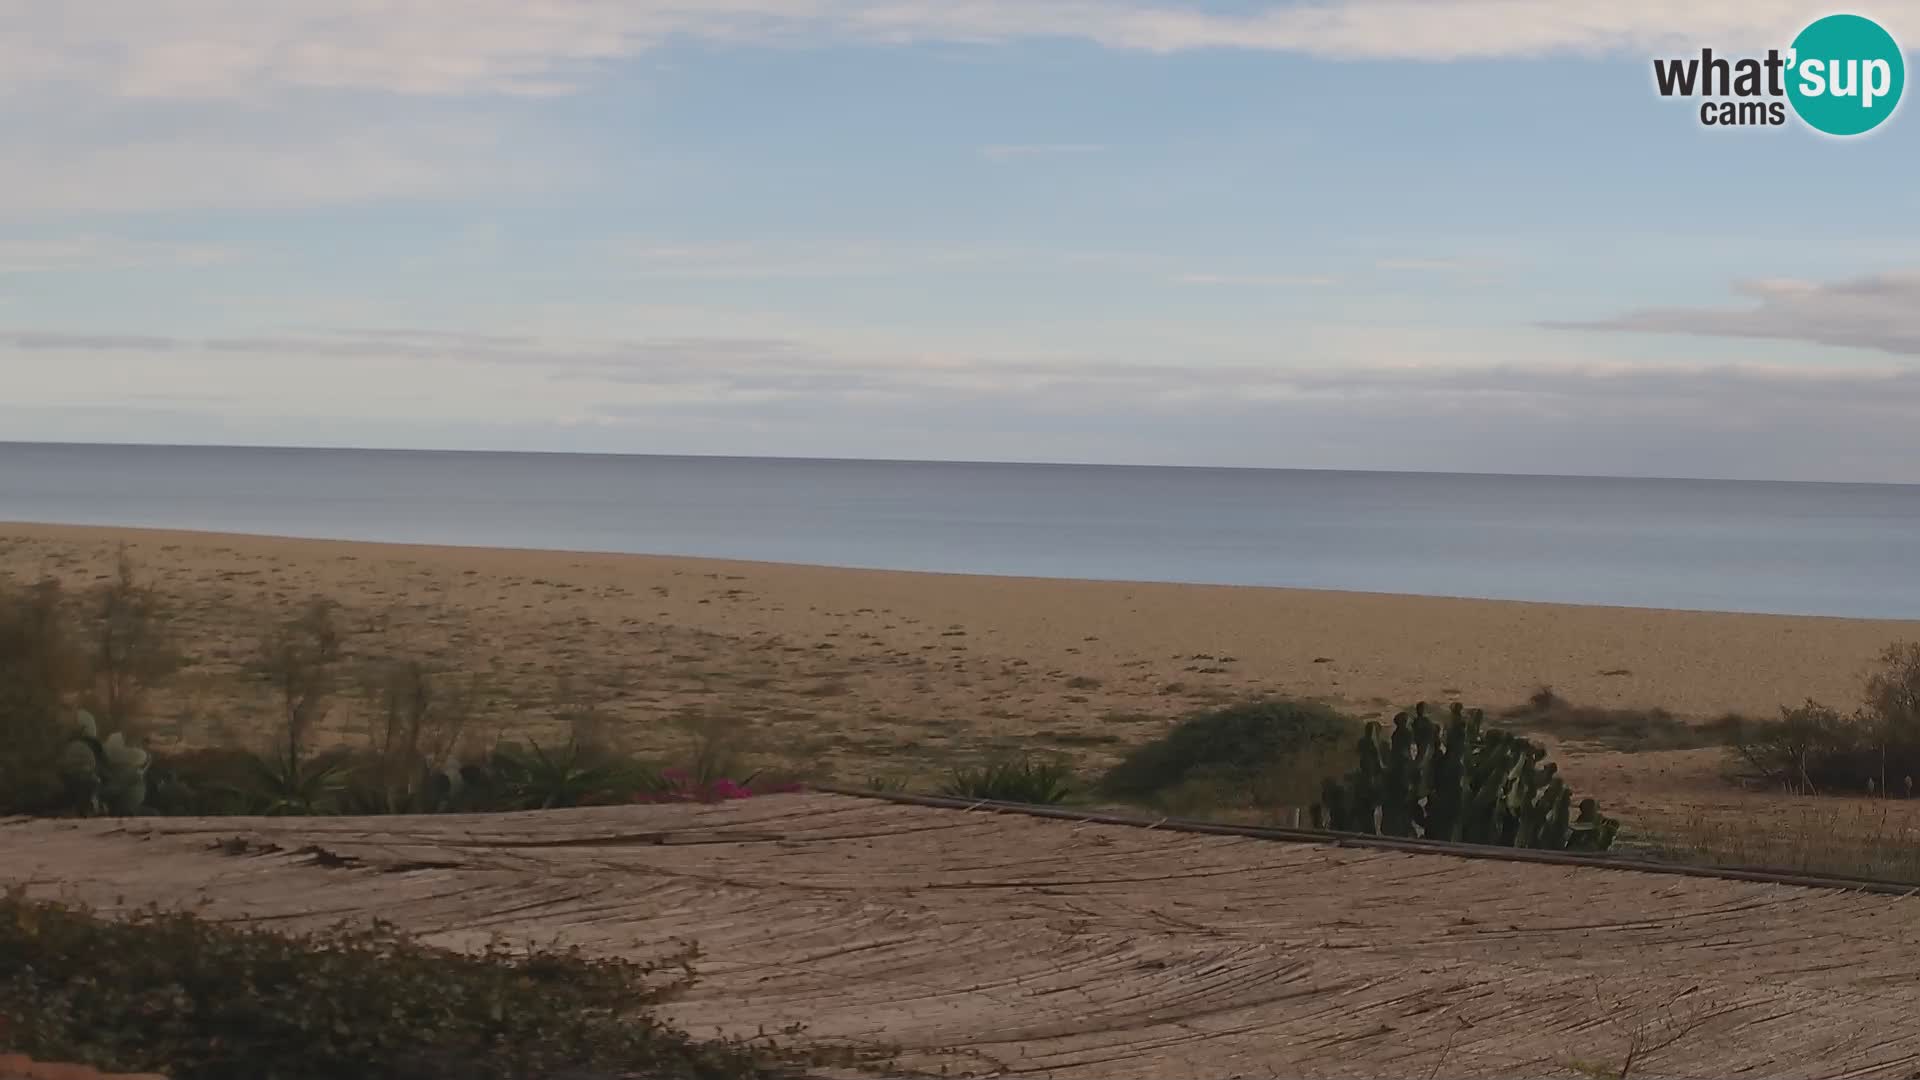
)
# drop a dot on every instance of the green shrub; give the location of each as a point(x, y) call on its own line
point(130, 646)
point(417, 719)
point(199, 1000)
point(1465, 783)
point(42, 666)
point(1019, 780)
point(202, 782)
point(1811, 748)
point(572, 774)
point(1274, 752)
point(298, 785)
point(1875, 750)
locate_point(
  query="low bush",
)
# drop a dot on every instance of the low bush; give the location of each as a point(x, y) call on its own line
point(100, 651)
point(1259, 753)
point(170, 992)
point(42, 666)
point(1874, 750)
point(511, 777)
point(1017, 779)
point(202, 783)
point(1547, 713)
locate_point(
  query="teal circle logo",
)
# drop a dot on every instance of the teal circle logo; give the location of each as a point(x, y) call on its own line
point(1845, 75)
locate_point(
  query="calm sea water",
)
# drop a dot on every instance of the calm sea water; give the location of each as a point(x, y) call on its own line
point(1824, 549)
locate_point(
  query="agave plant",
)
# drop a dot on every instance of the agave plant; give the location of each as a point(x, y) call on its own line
point(1019, 779)
point(539, 778)
point(288, 784)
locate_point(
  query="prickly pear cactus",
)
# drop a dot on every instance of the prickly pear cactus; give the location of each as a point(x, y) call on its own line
point(123, 776)
point(1470, 784)
point(103, 776)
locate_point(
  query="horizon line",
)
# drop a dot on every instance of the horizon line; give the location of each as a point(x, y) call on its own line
point(943, 461)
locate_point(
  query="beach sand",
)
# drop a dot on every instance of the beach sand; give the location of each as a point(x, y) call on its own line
point(862, 667)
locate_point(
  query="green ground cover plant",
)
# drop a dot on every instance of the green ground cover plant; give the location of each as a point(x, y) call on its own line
point(201, 1000)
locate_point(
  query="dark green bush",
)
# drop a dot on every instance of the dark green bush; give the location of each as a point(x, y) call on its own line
point(204, 782)
point(529, 777)
point(1254, 747)
point(1812, 748)
point(198, 1000)
point(571, 774)
point(43, 665)
point(1019, 780)
point(1874, 750)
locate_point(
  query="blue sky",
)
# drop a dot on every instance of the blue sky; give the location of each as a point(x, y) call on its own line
point(1449, 234)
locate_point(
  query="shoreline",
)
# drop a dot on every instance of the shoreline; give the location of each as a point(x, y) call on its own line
point(23, 527)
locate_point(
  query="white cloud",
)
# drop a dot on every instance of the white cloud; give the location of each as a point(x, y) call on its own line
point(297, 161)
point(1878, 311)
point(88, 252)
point(275, 93)
point(239, 50)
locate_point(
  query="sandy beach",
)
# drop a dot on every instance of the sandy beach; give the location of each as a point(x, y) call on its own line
point(855, 667)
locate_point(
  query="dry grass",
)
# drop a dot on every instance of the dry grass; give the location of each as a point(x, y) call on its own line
point(1871, 838)
point(1547, 713)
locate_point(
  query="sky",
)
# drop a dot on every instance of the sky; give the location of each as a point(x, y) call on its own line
point(1373, 234)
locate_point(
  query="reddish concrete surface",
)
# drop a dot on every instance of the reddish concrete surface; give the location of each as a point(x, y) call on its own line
point(21, 1067)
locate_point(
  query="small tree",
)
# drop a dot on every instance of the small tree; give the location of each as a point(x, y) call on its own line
point(412, 733)
point(130, 645)
point(42, 667)
point(299, 659)
point(1893, 706)
point(1811, 746)
point(1875, 750)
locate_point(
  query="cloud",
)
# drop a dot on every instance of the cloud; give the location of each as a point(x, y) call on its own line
point(222, 49)
point(1428, 264)
point(57, 342)
point(1004, 151)
point(731, 262)
point(1257, 280)
point(652, 257)
point(294, 162)
point(1879, 312)
point(792, 395)
point(276, 96)
point(83, 253)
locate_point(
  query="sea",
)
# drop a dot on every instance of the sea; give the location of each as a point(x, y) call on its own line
point(1714, 545)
